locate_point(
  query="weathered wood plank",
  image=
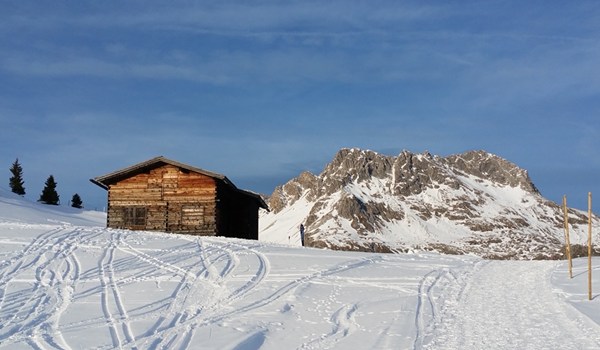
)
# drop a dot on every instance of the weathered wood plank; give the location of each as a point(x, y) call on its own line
point(175, 199)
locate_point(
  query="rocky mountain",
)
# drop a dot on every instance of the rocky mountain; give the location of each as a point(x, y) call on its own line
point(474, 202)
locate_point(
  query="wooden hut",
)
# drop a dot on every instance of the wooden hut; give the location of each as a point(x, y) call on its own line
point(164, 195)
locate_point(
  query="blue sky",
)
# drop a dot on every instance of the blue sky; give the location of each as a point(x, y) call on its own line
point(262, 90)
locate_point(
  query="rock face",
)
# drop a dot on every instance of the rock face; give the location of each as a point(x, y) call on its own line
point(474, 202)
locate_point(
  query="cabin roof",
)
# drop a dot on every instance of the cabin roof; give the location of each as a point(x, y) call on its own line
point(105, 181)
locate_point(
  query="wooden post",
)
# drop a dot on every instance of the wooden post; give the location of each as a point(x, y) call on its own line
point(590, 245)
point(567, 239)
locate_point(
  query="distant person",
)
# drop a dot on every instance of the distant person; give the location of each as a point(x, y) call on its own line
point(302, 234)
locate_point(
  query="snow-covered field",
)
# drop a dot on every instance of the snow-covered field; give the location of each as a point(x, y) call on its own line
point(66, 282)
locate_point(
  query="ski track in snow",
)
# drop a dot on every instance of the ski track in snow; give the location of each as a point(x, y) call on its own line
point(33, 315)
point(112, 303)
point(501, 305)
point(210, 283)
point(202, 310)
point(51, 268)
point(48, 265)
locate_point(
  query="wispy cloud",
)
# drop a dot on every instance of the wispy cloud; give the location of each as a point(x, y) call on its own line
point(306, 42)
point(93, 67)
point(224, 17)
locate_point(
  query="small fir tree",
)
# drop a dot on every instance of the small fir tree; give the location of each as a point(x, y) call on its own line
point(16, 180)
point(76, 201)
point(49, 194)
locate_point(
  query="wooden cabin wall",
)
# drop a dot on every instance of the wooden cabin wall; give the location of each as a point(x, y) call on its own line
point(237, 214)
point(175, 200)
point(247, 207)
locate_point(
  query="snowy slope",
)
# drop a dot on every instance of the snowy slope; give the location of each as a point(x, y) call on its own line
point(17, 209)
point(66, 282)
point(471, 203)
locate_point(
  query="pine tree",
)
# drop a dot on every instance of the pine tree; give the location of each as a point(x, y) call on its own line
point(76, 201)
point(16, 181)
point(49, 195)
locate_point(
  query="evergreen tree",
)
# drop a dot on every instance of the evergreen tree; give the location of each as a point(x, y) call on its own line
point(76, 201)
point(16, 181)
point(49, 195)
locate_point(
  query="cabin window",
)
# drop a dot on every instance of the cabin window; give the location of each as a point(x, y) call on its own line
point(192, 215)
point(134, 216)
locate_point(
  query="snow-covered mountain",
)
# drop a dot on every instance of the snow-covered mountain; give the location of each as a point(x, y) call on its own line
point(474, 202)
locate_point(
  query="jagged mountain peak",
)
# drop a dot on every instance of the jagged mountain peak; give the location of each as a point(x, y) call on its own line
point(292, 190)
point(470, 202)
point(413, 173)
point(358, 163)
point(486, 165)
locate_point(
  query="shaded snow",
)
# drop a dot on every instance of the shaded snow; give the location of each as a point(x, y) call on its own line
point(286, 229)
